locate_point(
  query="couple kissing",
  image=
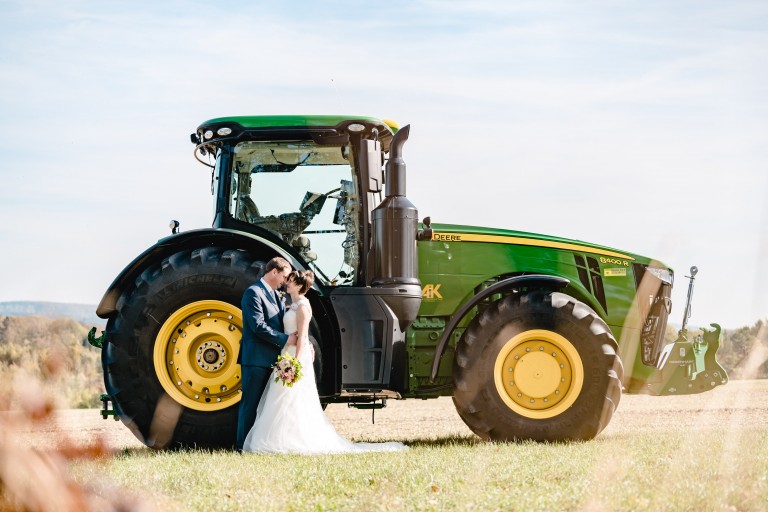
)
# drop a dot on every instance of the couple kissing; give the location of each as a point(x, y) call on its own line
point(274, 418)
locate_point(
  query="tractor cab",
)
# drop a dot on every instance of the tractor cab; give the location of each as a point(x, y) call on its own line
point(310, 188)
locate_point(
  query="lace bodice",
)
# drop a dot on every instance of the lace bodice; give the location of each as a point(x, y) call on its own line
point(290, 319)
point(295, 305)
point(291, 325)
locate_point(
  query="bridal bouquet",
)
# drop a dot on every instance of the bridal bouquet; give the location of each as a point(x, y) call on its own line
point(287, 370)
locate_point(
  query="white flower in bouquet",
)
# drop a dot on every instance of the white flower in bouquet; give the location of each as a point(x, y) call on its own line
point(287, 370)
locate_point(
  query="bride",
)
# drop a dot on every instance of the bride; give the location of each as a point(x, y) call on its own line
point(291, 419)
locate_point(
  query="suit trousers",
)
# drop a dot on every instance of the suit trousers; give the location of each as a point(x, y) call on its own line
point(254, 381)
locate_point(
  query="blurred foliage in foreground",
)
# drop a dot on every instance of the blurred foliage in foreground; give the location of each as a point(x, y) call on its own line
point(26, 342)
point(34, 478)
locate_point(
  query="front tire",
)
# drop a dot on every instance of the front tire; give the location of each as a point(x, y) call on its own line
point(540, 366)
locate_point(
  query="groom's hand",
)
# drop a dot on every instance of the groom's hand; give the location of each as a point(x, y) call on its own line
point(292, 339)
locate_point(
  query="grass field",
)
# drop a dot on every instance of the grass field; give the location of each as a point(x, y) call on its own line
point(699, 452)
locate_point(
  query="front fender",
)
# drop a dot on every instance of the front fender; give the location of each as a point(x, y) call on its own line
point(197, 238)
point(533, 280)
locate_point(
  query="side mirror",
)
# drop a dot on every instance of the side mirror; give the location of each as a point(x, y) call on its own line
point(426, 233)
point(371, 160)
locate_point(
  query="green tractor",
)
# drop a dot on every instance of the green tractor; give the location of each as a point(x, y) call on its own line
point(534, 336)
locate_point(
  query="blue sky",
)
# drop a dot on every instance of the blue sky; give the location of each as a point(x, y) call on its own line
point(638, 125)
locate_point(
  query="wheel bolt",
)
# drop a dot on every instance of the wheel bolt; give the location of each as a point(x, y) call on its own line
point(546, 399)
point(517, 357)
point(178, 383)
point(562, 366)
point(218, 399)
point(541, 348)
point(197, 396)
point(207, 314)
point(528, 349)
point(532, 400)
point(230, 317)
point(562, 380)
point(170, 363)
point(231, 327)
point(519, 395)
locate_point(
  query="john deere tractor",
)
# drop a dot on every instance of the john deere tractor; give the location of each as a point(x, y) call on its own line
point(534, 336)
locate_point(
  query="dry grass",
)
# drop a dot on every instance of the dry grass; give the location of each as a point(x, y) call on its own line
point(698, 452)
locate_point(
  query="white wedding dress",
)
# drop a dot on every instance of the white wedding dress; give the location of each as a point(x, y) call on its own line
point(291, 419)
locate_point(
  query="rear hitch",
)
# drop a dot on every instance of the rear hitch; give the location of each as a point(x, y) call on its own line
point(105, 409)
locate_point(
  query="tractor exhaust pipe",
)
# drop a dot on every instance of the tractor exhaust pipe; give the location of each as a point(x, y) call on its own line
point(395, 224)
point(395, 184)
point(395, 229)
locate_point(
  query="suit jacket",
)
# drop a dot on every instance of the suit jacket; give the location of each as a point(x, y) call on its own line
point(263, 336)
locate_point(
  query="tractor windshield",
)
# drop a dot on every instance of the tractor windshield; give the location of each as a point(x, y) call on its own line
point(305, 193)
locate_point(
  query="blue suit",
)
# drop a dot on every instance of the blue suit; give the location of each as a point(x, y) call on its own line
point(263, 339)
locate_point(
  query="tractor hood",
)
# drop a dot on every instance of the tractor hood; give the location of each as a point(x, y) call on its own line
point(459, 233)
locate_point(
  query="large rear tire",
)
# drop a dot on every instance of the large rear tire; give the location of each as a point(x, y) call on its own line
point(540, 366)
point(170, 356)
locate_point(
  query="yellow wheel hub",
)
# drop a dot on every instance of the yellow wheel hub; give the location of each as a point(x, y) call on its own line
point(538, 374)
point(196, 355)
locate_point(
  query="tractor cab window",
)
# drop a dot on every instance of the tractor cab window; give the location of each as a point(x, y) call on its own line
point(304, 193)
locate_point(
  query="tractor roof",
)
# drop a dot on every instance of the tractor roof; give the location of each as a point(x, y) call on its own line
point(319, 128)
point(295, 120)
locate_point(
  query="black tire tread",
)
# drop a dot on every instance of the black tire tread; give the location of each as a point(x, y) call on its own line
point(476, 398)
point(127, 355)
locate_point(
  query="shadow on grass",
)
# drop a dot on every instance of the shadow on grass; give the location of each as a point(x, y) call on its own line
point(418, 442)
point(145, 451)
point(469, 441)
point(442, 442)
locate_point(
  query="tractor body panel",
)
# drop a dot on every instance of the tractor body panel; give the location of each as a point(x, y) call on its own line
point(460, 261)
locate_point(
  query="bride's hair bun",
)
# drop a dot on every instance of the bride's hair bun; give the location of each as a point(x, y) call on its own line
point(303, 278)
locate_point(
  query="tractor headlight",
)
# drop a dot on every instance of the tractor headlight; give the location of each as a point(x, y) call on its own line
point(208, 134)
point(224, 131)
point(664, 274)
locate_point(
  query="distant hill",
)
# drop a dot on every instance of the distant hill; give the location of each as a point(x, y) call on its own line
point(85, 313)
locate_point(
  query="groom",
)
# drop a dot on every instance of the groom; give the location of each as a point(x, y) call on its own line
point(263, 339)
